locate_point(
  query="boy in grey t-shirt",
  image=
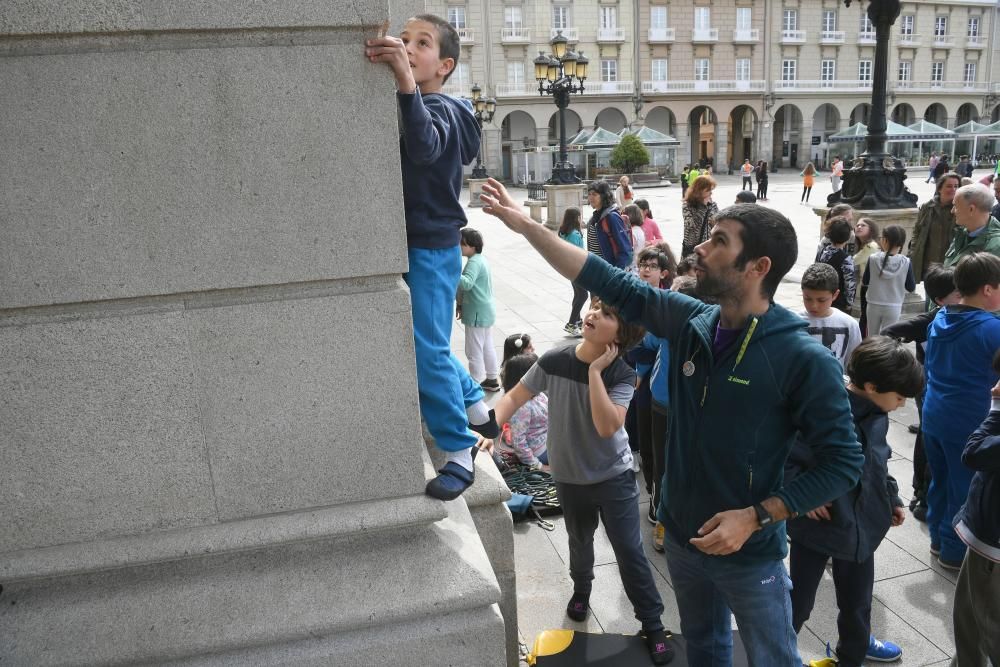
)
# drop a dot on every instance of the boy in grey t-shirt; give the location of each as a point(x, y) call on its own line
point(836, 330)
point(589, 389)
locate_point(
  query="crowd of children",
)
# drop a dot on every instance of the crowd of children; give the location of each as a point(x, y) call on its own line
point(565, 411)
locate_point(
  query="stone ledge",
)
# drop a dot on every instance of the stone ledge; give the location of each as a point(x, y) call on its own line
point(237, 536)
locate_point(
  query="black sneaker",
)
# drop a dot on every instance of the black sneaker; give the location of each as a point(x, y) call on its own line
point(920, 512)
point(578, 607)
point(490, 384)
point(658, 644)
point(913, 428)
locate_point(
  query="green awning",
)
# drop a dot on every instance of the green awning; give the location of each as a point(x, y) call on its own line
point(650, 137)
point(597, 138)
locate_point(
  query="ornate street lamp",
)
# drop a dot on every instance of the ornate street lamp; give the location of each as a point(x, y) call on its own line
point(483, 108)
point(875, 179)
point(561, 74)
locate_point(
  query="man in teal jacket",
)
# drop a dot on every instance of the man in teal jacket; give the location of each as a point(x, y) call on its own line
point(745, 377)
point(976, 230)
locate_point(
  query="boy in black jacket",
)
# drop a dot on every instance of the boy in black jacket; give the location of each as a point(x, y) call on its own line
point(976, 614)
point(883, 374)
point(939, 284)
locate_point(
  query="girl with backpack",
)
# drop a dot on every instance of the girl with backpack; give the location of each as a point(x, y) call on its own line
point(608, 235)
point(887, 275)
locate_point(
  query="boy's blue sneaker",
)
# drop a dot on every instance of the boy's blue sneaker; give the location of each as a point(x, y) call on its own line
point(880, 651)
point(451, 481)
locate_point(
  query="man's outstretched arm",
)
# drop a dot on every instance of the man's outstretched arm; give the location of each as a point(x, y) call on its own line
point(564, 257)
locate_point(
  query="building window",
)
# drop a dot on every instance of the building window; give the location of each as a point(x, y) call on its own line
point(460, 78)
point(828, 70)
point(970, 73)
point(609, 19)
point(659, 69)
point(742, 69)
point(515, 73)
point(937, 71)
point(609, 70)
point(906, 26)
point(560, 17)
point(905, 71)
point(658, 17)
point(789, 70)
point(456, 17)
point(512, 17)
point(744, 19)
point(940, 27)
point(865, 70)
point(702, 18)
point(866, 25)
point(973, 26)
point(702, 69)
point(790, 20)
point(829, 20)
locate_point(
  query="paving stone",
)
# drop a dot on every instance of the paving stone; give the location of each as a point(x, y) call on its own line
point(927, 599)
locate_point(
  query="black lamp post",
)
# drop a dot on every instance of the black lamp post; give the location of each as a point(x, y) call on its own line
point(560, 75)
point(484, 108)
point(875, 179)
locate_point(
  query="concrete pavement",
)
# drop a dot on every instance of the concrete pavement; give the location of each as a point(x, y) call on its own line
point(913, 595)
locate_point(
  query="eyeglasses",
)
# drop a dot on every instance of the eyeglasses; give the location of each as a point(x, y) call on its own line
point(652, 266)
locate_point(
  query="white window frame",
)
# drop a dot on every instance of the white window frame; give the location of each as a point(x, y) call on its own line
point(789, 69)
point(828, 70)
point(609, 69)
point(865, 70)
point(457, 17)
point(969, 72)
point(866, 27)
point(702, 18)
point(460, 78)
point(937, 71)
point(906, 25)
point(972, 28)
point(790, 19)
point(659, 19)
point(561, 17)
point(608, 18)
point(829, 20)
point(904, 72)
point(940, 26)
point(515, 72)
point(743, 69)
point(659, 68)
point(513, 17)
point(744, 18)
point(702, 69)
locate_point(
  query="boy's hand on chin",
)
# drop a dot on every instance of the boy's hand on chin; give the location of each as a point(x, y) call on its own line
point(603, 361)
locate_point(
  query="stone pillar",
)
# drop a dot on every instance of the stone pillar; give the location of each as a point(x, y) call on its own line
point(559, 198)
point(684, 149)
point(765, 142)
point(201, 459)
point(475, 189)
point(492, 150)
point(721, 147)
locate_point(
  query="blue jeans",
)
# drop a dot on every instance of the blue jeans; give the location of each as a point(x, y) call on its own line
point(949, 488)
point(708, 587)
point(444, 386)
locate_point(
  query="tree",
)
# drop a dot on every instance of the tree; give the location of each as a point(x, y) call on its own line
point(629, 155)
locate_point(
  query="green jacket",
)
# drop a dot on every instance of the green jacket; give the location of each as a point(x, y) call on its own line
point(734, 418)
point(476, 291)
point(935, 227)
point(962, 245)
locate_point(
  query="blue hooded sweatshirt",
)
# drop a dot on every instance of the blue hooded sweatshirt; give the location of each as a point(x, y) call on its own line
point(734, 419)
point(961, 342)
point(438, 135)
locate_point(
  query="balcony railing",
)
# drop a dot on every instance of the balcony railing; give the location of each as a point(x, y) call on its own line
point(720, 86)
point(866, 38)
point(811, 86)
point(793, 36)
point(609, 88)
point(943, 41)
point(936, 86)
point(661, 34)
point(610, 35)
point(516, 89)
point(746, 35)
point(832, 37)
point(465, 35)
point(909, 40)
point(571, 34)
point(515, 36)
point(975, 42)
point(705, 35)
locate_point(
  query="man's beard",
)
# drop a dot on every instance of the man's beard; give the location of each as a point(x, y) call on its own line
point(720, 286)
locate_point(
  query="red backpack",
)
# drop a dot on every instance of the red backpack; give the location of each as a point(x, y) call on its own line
point(624, 228)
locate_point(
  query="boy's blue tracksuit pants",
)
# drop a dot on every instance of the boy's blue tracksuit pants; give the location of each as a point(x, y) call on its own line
point(445, 388)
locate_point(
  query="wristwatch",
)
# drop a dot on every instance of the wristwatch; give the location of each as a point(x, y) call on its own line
point(764, 518)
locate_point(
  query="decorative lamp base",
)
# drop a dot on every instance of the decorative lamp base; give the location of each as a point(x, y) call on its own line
point(563, 173)
point(874, 182)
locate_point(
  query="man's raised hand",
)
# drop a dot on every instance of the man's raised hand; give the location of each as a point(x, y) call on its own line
point(498, 203)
